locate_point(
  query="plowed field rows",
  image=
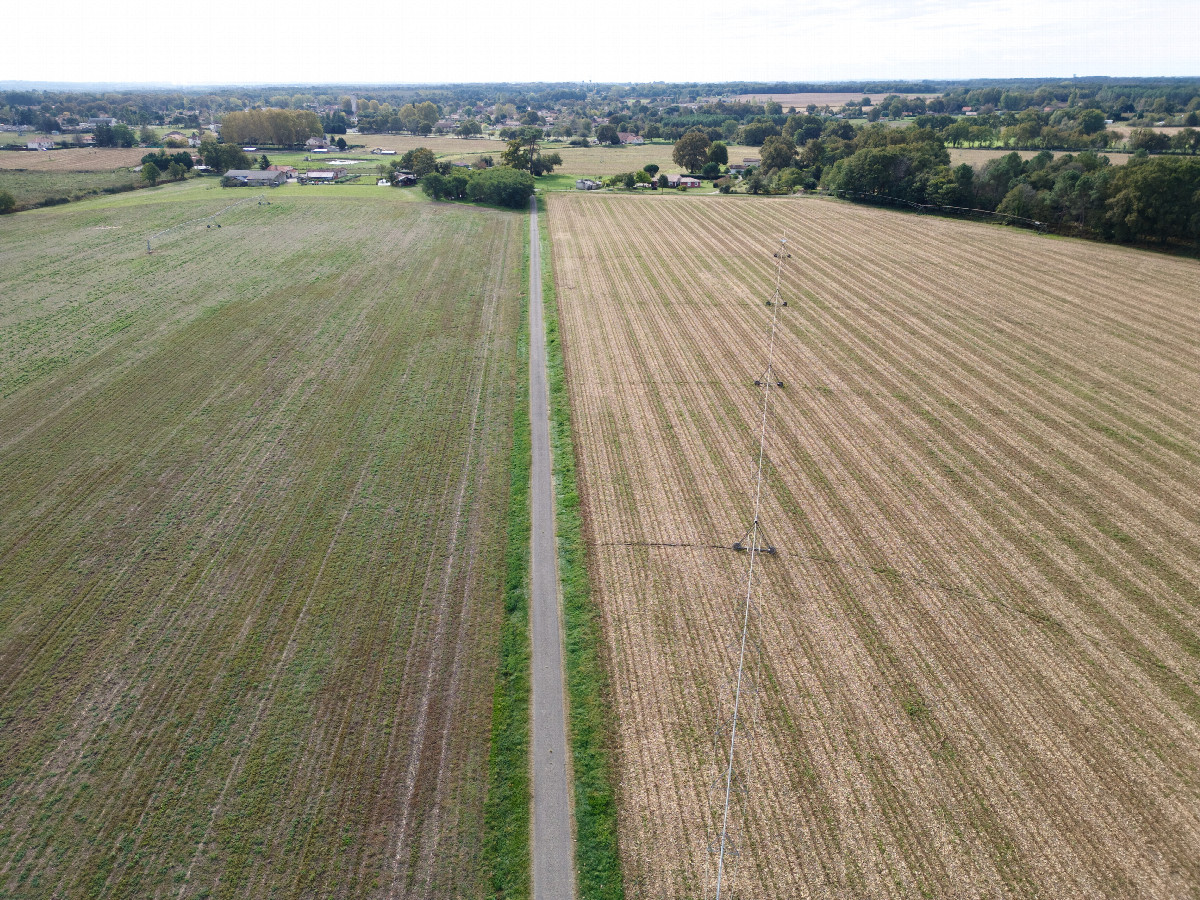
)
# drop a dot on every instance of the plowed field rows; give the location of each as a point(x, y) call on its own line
point(252, 500)
point(977, 663)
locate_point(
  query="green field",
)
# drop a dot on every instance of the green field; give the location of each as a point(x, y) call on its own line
point(252, 541)
point(32, 189)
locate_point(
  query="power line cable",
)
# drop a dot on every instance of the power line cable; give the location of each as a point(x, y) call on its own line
point(752, 545)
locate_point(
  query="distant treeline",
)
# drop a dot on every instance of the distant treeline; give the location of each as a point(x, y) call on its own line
point(1149, 199)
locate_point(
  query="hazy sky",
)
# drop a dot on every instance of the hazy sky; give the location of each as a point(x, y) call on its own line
point(309, 41)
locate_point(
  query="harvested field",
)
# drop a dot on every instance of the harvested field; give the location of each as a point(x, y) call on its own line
point(976, 157)
point(978, 649)
point(252, 532)
point(84, 159)
point(449, 147)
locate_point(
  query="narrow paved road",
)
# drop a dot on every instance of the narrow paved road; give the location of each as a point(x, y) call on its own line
point(553, 827)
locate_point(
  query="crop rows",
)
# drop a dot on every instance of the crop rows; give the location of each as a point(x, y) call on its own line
point(975, 666)
point(251, 544)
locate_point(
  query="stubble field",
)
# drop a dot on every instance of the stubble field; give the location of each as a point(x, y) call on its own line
point(85, 159)
point(251, 543)
point(975, 660)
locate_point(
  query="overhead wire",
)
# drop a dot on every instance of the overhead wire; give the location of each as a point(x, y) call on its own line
point(768, 383)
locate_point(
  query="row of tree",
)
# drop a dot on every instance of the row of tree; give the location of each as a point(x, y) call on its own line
point(1149, 199)
point(274, 127)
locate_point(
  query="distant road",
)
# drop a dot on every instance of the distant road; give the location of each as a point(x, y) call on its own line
point(553, 827)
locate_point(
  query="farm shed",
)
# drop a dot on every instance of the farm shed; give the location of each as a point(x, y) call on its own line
point(254, 178)
point(324, 176)
point(587, 184)
point(39, 145)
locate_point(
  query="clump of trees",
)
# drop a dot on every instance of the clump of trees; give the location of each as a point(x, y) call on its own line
point(171, 165)
point(222, 157)
point(498, 186)
point(7, 203)
point(115, 136)
point(275, 127)
point(524, 152)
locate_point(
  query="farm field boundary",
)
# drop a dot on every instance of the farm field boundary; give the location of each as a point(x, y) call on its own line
point(598, 862)
point(507, 813)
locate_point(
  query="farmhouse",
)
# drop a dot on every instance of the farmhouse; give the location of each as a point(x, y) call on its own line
point(254, 178)
point(289, 171)
point(316, 144)
point(627, 138)
point(39, 145)
point(587, 184)
point(682, 181)
point(101, 120)
point(174, 136)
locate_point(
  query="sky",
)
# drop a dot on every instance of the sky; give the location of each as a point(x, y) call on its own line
point(321, 42)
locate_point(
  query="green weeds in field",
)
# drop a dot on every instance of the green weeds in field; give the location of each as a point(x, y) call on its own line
point(507, 811)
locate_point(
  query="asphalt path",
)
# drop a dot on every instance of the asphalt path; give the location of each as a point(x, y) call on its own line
point(553, 827)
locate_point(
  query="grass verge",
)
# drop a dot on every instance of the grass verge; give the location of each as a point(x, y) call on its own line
point(507, 810)
point(591, 733)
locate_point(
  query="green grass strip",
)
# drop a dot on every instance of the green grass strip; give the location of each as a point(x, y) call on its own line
point(591, 726)
point(507, 810)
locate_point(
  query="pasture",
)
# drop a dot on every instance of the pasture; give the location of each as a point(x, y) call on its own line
point(252, 535)
point(974, 668)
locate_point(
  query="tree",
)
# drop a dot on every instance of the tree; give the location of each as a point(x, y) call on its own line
point(628, 180)
point(150, 173)
point(341, 143)
point(7, 203)
point(264, 163)
point(718, 153)
point(435, 186)
point(1149, 140)
point(650, 169)
point(469, 129)
point(222, 157)
point(146, 135)
point(1091, 121)
point(544, 163)
point(663, 182)
point(710, 170)
point(608, 134)
point(778, 153)
point(691, 150)
point(176, 172)
point(501, 186)
point(419, 161)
